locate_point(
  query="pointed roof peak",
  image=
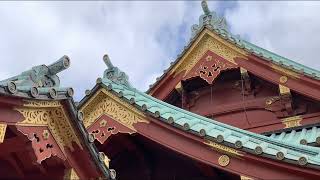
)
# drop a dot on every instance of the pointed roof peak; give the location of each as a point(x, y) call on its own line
point(209, 18)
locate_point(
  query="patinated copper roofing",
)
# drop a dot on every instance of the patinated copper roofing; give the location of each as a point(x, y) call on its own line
point(209, 128)
point(218, 25)
point(306, 135)
point(40, 82)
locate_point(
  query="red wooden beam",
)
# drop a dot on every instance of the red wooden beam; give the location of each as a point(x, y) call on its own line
point(15, 144)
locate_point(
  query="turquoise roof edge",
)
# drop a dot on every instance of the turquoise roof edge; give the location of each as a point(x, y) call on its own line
point(303, 136)
point(290, 64)
point(214, 129)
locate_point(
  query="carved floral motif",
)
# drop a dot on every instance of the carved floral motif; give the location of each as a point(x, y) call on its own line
point(106, 103)
point(104, 127)
point(57, 127)
point(224, 160)
point(43, 143)
point(211, 67)
point(208, 41)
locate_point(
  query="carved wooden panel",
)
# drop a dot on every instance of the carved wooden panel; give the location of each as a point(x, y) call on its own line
point(104, 127)
point(209, 67)
point(106, 103)
point(43, 143)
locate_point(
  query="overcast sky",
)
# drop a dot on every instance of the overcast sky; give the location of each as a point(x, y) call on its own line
point(142, 38)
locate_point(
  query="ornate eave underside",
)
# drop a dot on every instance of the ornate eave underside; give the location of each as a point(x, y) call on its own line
point(207, 128)
point(53, 127)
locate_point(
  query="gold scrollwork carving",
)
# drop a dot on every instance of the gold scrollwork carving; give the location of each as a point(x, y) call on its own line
point(37, 104)
point(208, 41)
point(104, 102)
point(293, 121)
point(55, 119)
point(224, 160)
point(223, 149)
point(3, 128)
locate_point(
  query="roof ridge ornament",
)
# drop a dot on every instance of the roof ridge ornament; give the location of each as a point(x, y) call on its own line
point(42, 75)
point(114, 74)
point(209, 18)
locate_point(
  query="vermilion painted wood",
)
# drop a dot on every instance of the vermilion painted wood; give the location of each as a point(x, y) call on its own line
point(194, 147)
point(81, 162)
point(102, 131)
point(261, 68)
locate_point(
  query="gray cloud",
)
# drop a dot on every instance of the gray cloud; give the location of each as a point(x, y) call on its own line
point(286, 28)
point(141, 38)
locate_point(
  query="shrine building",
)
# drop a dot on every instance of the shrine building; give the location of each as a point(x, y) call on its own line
point(224, 109)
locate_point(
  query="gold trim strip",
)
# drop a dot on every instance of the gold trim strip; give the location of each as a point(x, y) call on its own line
point(293, 121)
point(3, 129)
point(223, 149)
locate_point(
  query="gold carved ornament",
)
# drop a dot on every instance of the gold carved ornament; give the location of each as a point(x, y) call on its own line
point(223, 149)
point(211, 67)
point(283, 90)
point(224, 160)
point(106, 103)
point(212, 42)
point(3, 128)
point(293, 121)
point(283, 79)
point(53, 116)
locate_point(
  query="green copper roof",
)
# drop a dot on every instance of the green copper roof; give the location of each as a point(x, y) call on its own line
point(282, 61)
point(39, 82)
point(209, 128)
point(303, 136)
point(218, 25)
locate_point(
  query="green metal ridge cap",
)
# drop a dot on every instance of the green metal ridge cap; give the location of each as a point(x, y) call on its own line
point(212, 121)
point(281, 60)
point(39, 82)
point(297, 151)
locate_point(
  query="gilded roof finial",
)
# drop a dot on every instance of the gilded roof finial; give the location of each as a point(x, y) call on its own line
point(114, 74)
point(205, 7)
